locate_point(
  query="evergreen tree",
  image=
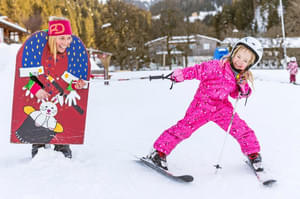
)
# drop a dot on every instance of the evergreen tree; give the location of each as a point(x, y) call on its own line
point(3, 7)
point(127, 33)
point(292, 16)
point(34, 21)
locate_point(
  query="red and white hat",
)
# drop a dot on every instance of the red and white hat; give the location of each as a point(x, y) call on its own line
point(59, 27)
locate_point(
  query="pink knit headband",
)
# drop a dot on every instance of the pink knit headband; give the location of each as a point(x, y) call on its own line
point(59, 27)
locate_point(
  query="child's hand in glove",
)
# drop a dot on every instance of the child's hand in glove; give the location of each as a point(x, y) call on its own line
point(242, 84)
point(177, 75)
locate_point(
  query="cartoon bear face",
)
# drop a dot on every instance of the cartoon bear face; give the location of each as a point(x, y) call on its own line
point(48, 109)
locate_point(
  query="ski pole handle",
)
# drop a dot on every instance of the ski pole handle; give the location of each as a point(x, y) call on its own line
point(156, 77)
point(161, 76)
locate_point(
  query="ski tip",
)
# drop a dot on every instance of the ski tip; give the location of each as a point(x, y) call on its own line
point(269, 183)
point(136, 157)
point(187, 178)
point(139, 158)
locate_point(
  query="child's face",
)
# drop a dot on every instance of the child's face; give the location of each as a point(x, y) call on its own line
point(62, 42)
point(242, 59)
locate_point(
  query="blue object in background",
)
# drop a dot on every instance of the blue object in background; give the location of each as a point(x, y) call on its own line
point(220, 52)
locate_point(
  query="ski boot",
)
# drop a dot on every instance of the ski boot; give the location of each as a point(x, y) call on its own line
point(159, 159)
point(255, 161)
point(65, 149)
point(35, 149)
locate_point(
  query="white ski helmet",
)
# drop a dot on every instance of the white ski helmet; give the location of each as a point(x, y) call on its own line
point(293, 59)
point(252, 44)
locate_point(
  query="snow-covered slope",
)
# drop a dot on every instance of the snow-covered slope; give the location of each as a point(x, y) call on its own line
point(125, 118)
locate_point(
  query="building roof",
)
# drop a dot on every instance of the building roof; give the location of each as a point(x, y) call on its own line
point(10, 24)
point(182, 39)
point(291, 42)
point(173, 52)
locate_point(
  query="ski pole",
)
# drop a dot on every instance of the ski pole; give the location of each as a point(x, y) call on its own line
point(151, 77)
point(227, 132)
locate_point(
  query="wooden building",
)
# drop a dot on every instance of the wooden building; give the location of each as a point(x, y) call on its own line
point(11, 32)
point(184, 50)
point(273, 51)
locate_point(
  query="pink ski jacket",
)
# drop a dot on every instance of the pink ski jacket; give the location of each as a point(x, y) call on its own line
point(293, 68)
point(217, 81)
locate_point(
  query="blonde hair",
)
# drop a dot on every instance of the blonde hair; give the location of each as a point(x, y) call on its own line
point(52, 46)
point(247, 74)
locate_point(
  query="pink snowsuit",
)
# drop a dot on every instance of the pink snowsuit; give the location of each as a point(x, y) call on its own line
point(210, 103)
point(293, 68)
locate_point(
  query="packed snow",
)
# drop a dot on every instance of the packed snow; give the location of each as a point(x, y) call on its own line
point(123, 121)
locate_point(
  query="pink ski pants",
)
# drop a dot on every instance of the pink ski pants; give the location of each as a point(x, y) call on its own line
point(199, 114)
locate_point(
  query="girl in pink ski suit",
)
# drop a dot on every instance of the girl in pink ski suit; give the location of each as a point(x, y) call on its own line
point(218, 80)
point(210, 103)
point(293, 68)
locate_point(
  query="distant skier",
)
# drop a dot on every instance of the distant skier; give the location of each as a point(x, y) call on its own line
point(218, 80)
point(293, 68)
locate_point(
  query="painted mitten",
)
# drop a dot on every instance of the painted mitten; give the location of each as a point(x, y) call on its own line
point(31, 88)
point(72, 97)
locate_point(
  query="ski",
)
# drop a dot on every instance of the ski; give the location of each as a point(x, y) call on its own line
point(296, 84)
point(262, 176)
point(148, 163)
